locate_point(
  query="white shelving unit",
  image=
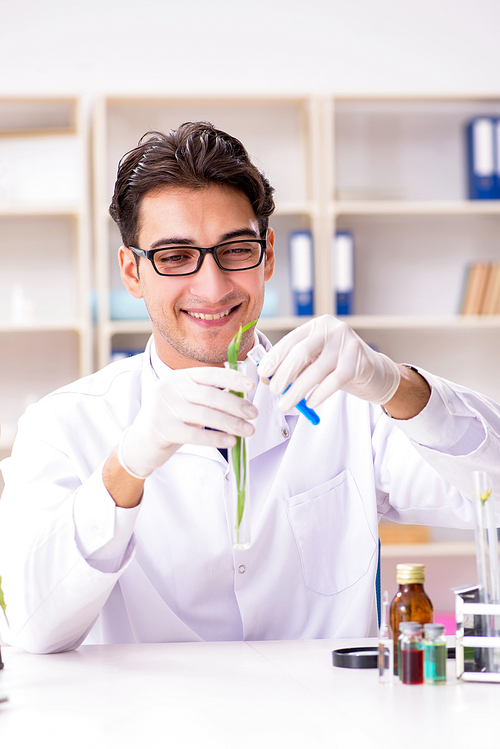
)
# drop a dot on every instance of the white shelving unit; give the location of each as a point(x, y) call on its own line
point(283, 137)
point(397, 180)
point(45, 318)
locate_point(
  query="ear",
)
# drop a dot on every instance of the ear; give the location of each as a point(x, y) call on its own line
point(270, 257)
point(129, 272)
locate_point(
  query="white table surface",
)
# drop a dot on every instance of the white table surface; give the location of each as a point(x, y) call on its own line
point(235, 694)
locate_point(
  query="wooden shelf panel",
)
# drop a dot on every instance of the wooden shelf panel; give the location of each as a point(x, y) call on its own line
point(307, 208)
point(422, 322)
point(29, 209)
point(432, 549)
point(114, 327)
point(122, 327)
point(44, 325)
point(415, 207)
point(358, 322)
point(281, 323)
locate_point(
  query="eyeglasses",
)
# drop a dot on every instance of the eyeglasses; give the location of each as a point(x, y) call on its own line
point(241, 254)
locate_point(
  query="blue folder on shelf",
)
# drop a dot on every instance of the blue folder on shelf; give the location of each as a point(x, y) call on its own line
point(302, 272)
point(497, 159)
point(483, 159)
point(344, 272)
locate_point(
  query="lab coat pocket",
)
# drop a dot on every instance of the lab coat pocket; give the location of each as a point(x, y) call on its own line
point(332, 534)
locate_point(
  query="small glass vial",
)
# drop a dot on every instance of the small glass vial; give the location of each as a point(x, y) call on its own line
point(412, 654)
point(411, 603)
point(435, 651)
point(385, 646)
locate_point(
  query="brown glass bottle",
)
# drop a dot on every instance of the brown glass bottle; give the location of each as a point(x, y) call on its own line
point(411, 603)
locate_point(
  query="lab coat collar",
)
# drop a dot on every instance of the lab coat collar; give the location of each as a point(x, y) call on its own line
point(272, 426)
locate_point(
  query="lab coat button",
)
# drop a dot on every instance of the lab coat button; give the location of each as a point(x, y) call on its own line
point(285, 433)
point(242, 569)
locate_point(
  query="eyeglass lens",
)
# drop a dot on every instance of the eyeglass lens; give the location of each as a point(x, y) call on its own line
point(237, 255)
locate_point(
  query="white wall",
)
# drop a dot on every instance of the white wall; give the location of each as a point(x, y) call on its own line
point(248, 46)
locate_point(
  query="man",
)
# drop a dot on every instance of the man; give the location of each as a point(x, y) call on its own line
point(114, 519)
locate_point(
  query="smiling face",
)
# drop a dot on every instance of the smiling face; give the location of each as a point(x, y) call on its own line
point(195, 317)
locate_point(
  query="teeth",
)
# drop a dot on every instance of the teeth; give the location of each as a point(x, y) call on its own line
point(201, 316)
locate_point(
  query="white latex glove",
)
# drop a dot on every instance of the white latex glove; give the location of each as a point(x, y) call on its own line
point(326, 354)
point(176, 411)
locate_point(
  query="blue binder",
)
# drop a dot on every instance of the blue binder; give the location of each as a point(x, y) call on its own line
point(482, 159)
point(302, 272)
point(344, 272)
point(496, 187)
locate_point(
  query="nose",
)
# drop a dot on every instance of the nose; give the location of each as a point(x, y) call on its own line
point(210, 282)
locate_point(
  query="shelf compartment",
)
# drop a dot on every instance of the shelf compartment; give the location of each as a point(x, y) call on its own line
point(415, 265)
point(403, 148)
point(275, 132)
point(41, 169)
point(20, 117)
point(40, 259)
point(33, 363)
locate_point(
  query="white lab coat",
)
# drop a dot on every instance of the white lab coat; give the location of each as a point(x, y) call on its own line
point(318, 493)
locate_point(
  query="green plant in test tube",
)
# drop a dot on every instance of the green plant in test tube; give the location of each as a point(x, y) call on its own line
point(238, 452)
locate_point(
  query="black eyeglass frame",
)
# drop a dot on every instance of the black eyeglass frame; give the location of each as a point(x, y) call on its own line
point(149, 254)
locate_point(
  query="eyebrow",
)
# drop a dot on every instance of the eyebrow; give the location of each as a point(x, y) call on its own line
point(236, 234)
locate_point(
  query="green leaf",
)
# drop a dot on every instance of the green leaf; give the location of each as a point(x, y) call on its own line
point(234, 347)
point(232, 354)
point(247, 326)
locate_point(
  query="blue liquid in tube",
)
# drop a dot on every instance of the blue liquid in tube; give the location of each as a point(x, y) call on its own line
point(256, 355)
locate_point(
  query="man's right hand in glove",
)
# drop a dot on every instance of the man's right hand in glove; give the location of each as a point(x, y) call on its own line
point(186, 406)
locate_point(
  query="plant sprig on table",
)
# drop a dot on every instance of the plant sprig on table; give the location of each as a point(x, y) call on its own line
point(238, 452)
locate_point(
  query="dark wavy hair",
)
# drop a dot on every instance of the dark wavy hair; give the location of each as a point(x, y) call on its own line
point(195, 155)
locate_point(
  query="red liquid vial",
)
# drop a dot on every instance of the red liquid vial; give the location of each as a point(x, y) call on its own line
point(412, 666)
point(412, 654)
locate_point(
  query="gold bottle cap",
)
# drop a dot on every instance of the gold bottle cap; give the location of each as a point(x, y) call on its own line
point(410, 573)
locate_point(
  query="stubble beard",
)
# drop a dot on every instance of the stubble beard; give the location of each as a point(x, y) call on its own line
point(216, 353)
